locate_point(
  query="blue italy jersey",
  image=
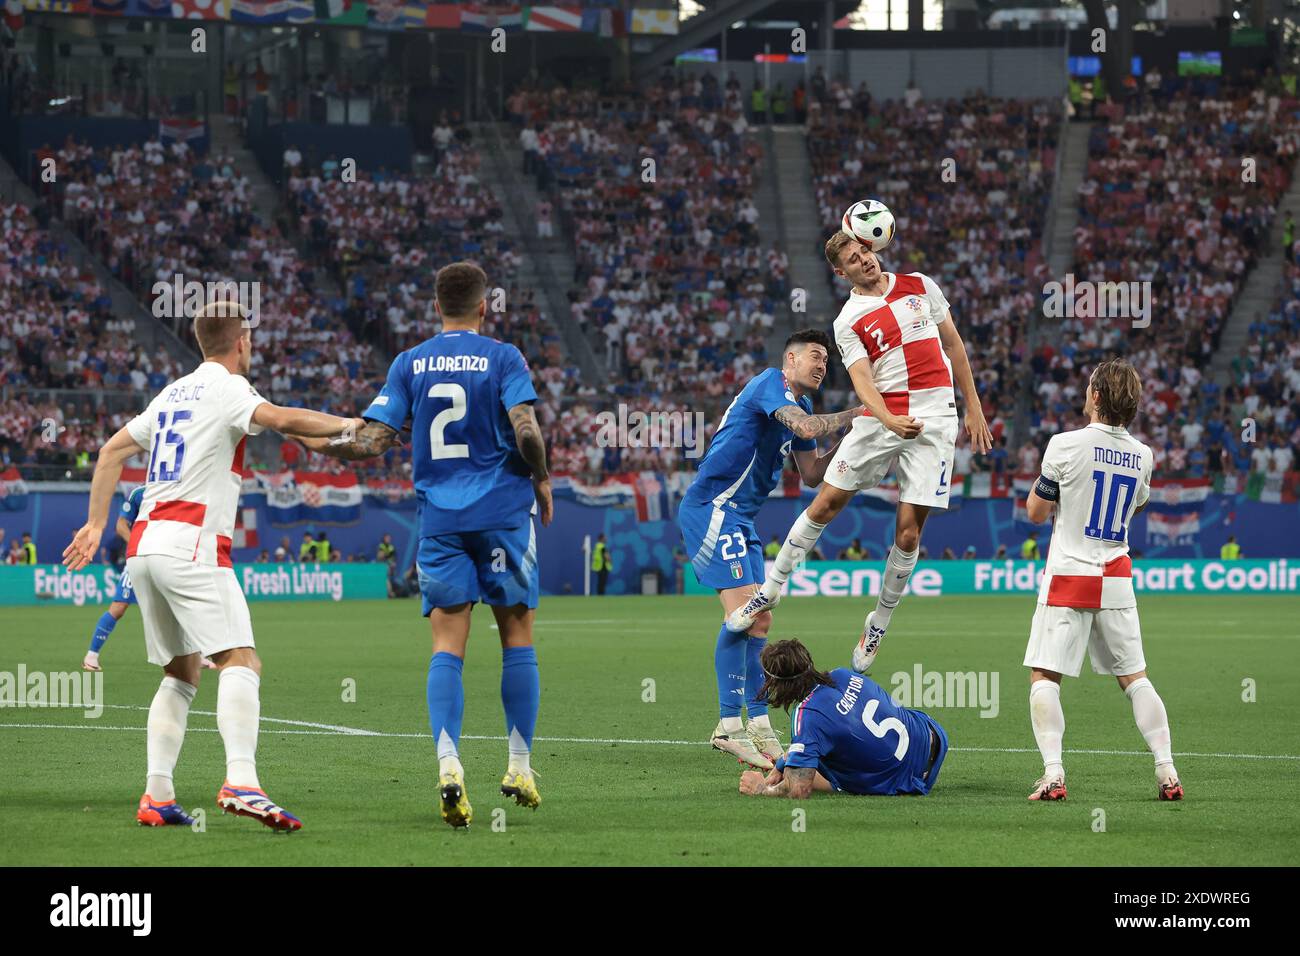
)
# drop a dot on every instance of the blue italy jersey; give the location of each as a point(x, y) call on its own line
point(748, 451)
point(456, 388)
point(861, 741)
point(131, 506)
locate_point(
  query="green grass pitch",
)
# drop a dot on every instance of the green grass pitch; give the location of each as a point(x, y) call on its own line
point(625, 780)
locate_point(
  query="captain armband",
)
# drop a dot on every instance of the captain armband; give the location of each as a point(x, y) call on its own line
point(1047, 489)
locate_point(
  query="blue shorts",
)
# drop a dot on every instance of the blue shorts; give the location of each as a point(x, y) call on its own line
point(723, 546)
point(498, 568)
point(124, 593)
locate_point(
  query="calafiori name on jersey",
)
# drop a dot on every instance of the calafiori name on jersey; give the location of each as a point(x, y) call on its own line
point(449, 363)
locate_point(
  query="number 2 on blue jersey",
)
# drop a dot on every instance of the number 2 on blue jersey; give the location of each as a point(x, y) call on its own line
point(1107, 529)
point(438, 447)
point(168, 435)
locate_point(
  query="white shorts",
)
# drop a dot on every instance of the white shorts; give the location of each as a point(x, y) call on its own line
point(1059, 635)
point(188, 608)
point(924, 462)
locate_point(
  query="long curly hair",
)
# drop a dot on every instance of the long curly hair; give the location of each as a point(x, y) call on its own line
point(790, 674)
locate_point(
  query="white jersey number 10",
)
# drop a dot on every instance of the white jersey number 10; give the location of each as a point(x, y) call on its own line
point(1110, 526)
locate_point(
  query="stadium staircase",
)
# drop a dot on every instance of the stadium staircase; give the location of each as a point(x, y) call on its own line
point(784, 200)
point(1259, 291)
point(1063, 212)
point(268, 202)
point(1058, 251)
point(548, 264)
point(225, 138)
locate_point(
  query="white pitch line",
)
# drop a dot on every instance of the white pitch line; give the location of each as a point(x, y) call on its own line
point(333, 730)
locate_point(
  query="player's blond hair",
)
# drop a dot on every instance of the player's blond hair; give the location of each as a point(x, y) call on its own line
point(835, 245)
point(1118, 391)
point(218, 327)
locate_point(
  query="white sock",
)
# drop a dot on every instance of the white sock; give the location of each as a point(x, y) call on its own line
point(898, 569)
point(761, 722)
point(166, 732)
point(1149, 714)
point(450, 764)
point(801, 539)
point(1049, 723)
point(518, 754)
point(732, 725)
point(238, 712)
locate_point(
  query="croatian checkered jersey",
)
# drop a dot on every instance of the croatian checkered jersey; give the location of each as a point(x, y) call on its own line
point(898, 332)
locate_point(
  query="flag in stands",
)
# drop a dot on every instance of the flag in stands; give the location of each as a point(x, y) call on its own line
point(1174, 511)
point(198, 9)
point(554, 19)
point(259, 11)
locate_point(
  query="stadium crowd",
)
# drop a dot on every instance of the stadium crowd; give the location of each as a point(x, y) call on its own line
point(1168, 201)
point(673, 285)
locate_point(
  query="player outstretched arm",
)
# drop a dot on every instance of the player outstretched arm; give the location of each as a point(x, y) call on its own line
point(795, 783)
point(531, 445)
point(369, 440)
point(981, 439)
point(119, 449)
point(864, 384)
point(302, 422)
point(812, 467)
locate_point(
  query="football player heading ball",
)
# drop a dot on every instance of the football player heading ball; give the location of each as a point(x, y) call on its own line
point(903, 353)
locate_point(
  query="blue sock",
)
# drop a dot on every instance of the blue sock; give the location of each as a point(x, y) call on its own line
point(104, 628)
point(446, 702)
point(521, 691)
point(754, 677)
point(729, 665)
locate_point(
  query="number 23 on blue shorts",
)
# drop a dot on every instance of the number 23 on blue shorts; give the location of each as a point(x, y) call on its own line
point(724, 549)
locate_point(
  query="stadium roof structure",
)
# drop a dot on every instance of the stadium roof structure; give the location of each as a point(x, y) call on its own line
point(721, 14)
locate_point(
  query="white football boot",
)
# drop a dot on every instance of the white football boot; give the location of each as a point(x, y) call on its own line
point(742, 618)
point(765, 741)
point(864, 654)
point(740, 746)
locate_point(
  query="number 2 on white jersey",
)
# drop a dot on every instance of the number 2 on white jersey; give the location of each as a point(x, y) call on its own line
point(885, 726)
point(438, 448)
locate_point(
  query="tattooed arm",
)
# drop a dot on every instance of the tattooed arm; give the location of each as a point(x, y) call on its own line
point(814, 426)
point(795, 783)
point(531, 445)
point(366, 440)
point(812, 467)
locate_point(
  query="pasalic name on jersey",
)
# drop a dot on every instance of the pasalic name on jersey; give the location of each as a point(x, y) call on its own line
point(449, 363)
point(184, 393)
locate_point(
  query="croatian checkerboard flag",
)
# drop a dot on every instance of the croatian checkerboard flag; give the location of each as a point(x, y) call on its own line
point(315, 496)
point(1174, 511)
